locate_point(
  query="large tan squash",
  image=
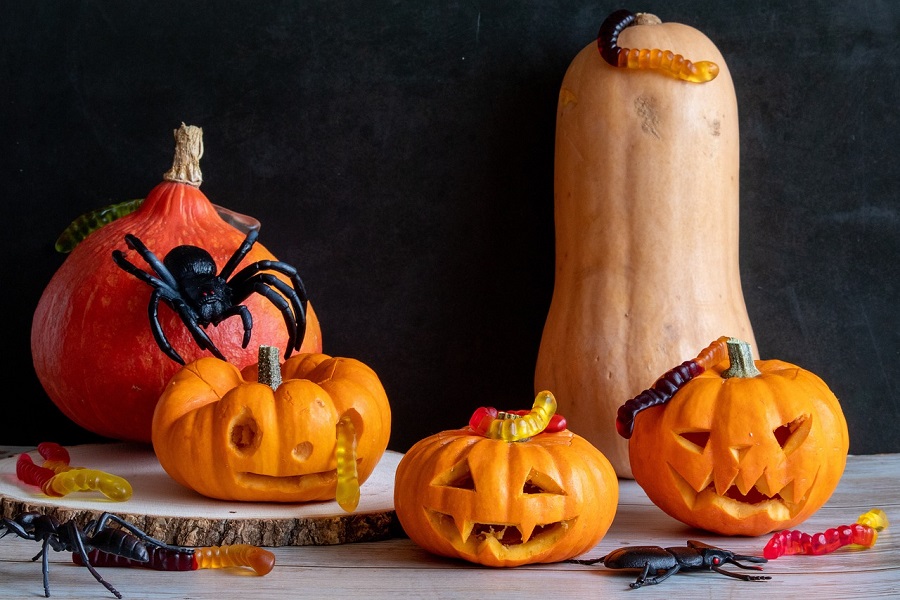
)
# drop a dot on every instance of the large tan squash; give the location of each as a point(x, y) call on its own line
point(646, 217)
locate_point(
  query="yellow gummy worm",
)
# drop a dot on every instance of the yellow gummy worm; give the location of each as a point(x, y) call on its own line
point(235, 555)
point(875, 518)
point(80, 480)
point(347, 494)
point(511, 428)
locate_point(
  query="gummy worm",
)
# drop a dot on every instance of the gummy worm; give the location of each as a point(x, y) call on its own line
point(53, 452)
point(57, 478)
point(32, 474)
point(670, 382)
point(91, 221)
point(862, 533)
point(189, 559)
point(347, 493)
point(664, 61)
point(514, 426)
point(56, 458)
point(82, 480)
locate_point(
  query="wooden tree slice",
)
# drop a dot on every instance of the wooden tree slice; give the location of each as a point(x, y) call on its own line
point(177, 515)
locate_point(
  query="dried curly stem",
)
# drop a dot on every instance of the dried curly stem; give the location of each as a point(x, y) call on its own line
point(188, 150)
point(646, 19)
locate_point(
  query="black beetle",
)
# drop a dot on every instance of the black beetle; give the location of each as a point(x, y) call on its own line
point(658, 564)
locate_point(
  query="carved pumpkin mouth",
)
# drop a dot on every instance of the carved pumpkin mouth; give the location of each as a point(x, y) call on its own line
point(780, 505)
point(497, 538)
point(259, 478)
point(287, 483)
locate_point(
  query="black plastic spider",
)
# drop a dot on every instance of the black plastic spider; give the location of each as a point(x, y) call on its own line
point(186, 280)
point(126, 541)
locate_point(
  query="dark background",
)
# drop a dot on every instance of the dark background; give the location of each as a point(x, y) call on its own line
point(400, 154)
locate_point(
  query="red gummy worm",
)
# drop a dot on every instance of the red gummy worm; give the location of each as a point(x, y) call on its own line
point(797, 542)
point(32, 474)
point(53, 452)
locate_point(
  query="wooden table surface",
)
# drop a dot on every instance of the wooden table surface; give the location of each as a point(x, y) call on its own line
point(397, 568)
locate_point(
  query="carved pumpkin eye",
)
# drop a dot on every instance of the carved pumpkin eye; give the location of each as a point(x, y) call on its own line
point(696, 440)
point(790, 436)
point(245, 433)
point(541, 483)
point(457, 476)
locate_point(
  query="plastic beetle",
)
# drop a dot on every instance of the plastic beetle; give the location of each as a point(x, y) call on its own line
point(658, 564)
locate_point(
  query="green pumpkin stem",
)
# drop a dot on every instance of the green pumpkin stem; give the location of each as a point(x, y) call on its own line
point(741, 358)
point(269, 367)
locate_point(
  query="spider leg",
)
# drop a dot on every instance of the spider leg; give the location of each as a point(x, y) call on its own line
point(262, 284)
point(126, 265)
point(239, 254)
point(151, 259)
point(246, 319)
point(295, 293)
point(193, 326)
point(17, 528)
point(79, 548)
point(158, 334)
point(45, 566)
point(107, 518)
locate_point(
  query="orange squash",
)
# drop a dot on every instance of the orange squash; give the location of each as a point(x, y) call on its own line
point(91, 341)
point(646, 217)
point(743, 448)
point(249, 436)
point(499, 503)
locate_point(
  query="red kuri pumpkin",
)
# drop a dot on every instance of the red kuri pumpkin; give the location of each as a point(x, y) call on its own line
point(91, 342)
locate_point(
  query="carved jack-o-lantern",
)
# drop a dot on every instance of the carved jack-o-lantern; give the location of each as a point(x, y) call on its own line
point(298, 438)
point(504, 503)
point(742, 448)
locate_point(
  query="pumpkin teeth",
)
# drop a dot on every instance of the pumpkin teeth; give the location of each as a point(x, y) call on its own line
point(688, 493)
point(765, 485)
point(464, 527)
point(751, 496)
point(506, 534)
point(787, 492)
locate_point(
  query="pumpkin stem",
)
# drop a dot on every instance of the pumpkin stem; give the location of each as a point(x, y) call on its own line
point(269, 367)
point(741, 358)
point(646, 19)
point(188, 150)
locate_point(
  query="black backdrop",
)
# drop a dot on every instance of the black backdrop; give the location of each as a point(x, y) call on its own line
point(400, 154)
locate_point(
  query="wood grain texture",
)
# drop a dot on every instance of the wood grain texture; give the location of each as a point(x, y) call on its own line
point(397, 568)
point(177, 515)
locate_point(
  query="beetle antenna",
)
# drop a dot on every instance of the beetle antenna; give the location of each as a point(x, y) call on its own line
point(742, 576)
point(581, 561)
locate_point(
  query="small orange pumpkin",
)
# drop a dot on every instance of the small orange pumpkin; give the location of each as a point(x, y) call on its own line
point(238, 435)
point(505, 503)
point(743, 448)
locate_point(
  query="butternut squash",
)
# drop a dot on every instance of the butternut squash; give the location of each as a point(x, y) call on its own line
point(646, 217)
